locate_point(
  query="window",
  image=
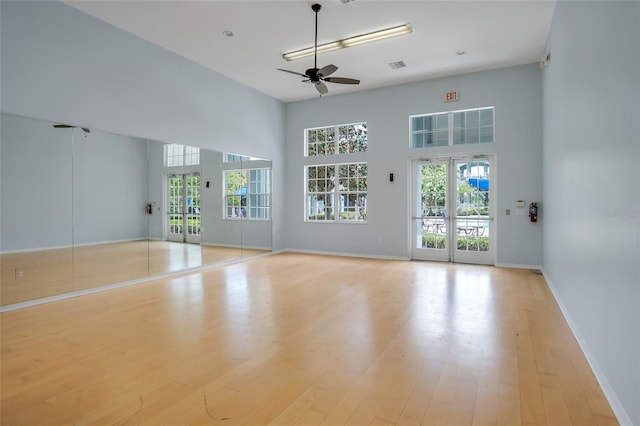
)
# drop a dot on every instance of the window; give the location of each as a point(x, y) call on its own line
point(248, 194)
point(430, 130)
point(452, 128)
point(181, 155)
point(259, 194)
point(336, 189)
point(473, 126)
point(342, 139)
point(336, 192)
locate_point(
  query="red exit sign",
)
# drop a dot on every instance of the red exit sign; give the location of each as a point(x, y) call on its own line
point(451, 96)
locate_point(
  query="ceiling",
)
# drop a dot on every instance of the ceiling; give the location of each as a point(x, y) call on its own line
point(493, 34)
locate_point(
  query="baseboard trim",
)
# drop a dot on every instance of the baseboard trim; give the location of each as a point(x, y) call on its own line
point(97, 243)
point(517, 266)
point(341, 254)
point(617, 407)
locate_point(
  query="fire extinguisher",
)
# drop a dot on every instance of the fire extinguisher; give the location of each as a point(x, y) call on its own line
point(533, 211)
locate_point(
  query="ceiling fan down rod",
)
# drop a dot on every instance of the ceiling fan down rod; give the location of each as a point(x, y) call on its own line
point(316, 8)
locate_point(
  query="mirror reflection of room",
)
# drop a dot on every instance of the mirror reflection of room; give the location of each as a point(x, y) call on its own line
point(175, 207)
point(97, 209)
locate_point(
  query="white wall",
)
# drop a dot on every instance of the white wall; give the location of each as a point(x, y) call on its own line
point(516, 95)
point(59, 64)
point(592, 190)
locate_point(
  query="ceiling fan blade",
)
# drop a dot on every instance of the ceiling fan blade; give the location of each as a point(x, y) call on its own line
point(86, 130)
point(328, 70)
point(342, 80)
point(322, 88)
point(293, 72)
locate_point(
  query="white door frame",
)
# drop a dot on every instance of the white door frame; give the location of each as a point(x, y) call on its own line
point(448, 230)
point(184, 212)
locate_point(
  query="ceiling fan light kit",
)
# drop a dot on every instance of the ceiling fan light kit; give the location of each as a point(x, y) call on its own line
point(316, 75)
point(351, 41)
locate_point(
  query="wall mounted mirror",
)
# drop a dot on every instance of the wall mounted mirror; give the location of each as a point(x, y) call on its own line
point(175, 207)
point(109, 191)
point(82, 209)
point(36, 210)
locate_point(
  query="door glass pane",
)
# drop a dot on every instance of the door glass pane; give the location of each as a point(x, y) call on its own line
point(432, 196)
point(175, 208)
point(472, 206)
point(193, 206)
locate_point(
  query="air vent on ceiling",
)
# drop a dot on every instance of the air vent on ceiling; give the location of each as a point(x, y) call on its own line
point(345, 1)
point(396, 65)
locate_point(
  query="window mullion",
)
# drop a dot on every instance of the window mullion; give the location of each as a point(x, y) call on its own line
point(336, 199)
point(450, 129)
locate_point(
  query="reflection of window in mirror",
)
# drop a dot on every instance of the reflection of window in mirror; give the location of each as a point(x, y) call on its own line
point(176, 155)
point(236, 158)
point(247, 194)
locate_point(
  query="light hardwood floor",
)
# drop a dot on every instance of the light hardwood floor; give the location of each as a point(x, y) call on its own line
point(302, 339)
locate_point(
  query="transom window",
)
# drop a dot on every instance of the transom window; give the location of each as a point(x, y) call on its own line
point(341, 139)
point(452, 128)
point(336, 193)
point(176, 155)
point(248, 194)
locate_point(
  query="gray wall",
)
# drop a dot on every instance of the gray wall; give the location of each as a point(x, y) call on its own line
point(516, 94)
point(591, 187)
point(59, 64)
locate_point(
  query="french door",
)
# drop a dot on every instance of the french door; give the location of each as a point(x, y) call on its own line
point(452, 217)
point(183, 208)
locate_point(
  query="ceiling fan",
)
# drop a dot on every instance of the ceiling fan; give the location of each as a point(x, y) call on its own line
point(317, 75)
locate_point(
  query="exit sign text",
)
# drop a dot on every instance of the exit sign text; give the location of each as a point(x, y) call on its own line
point(451, 96)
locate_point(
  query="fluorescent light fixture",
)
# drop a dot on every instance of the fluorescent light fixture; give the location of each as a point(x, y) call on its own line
point(351, 41)
point(378, 35)
point(323, 48)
